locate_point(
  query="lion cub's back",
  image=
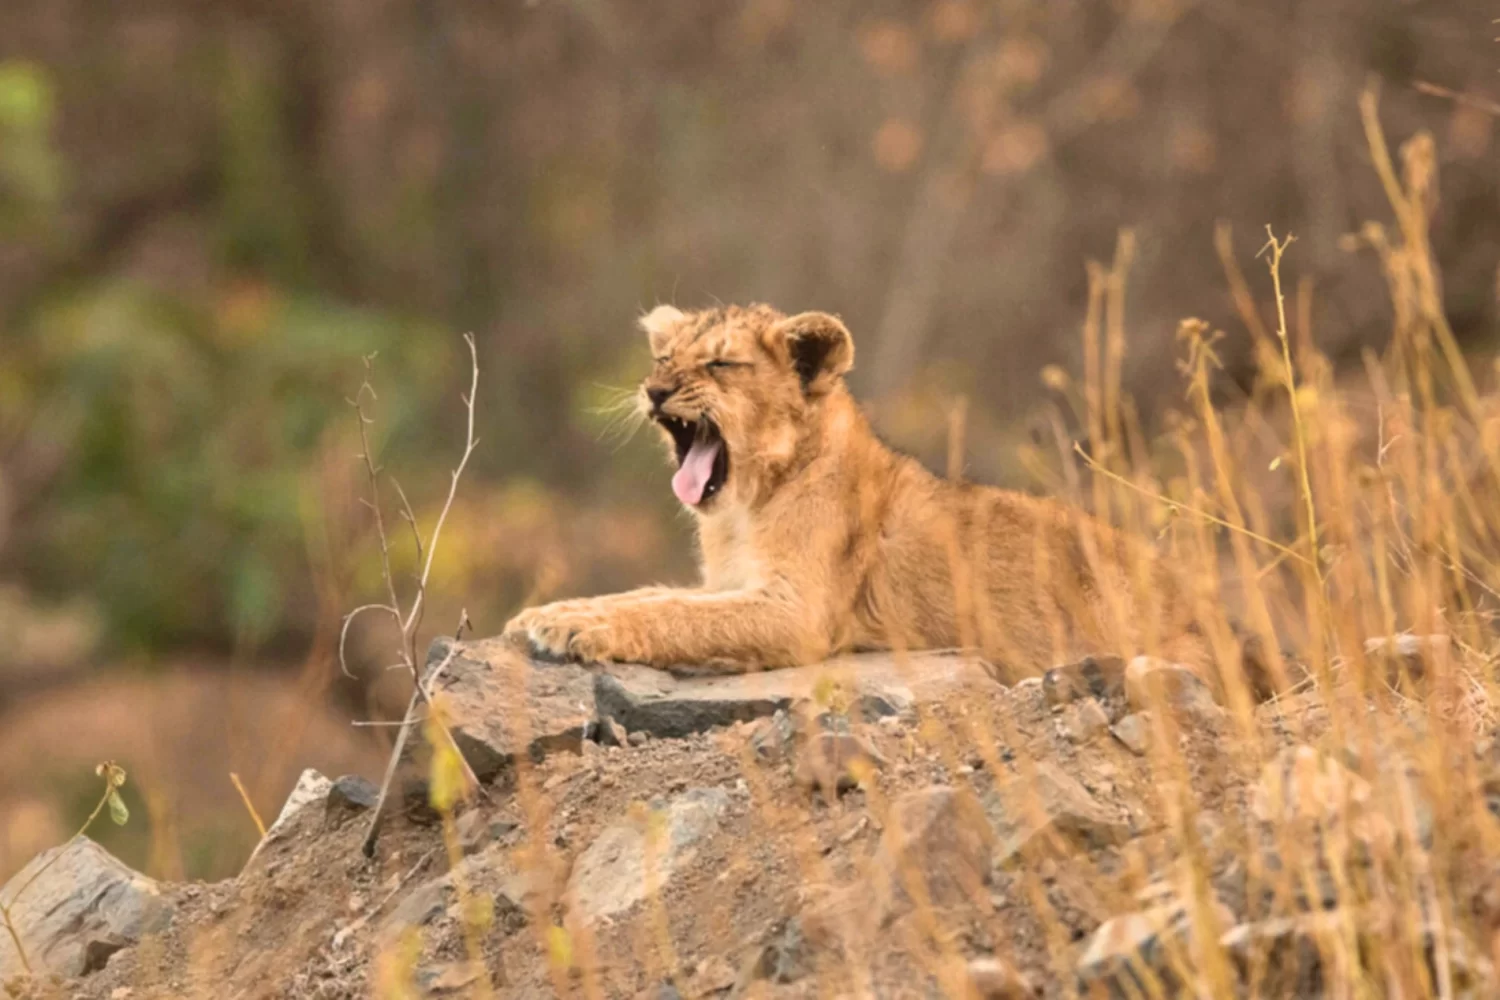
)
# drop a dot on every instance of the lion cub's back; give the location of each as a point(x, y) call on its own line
point(1032, 581)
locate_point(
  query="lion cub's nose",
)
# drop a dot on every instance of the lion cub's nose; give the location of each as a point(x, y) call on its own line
point(658, 397)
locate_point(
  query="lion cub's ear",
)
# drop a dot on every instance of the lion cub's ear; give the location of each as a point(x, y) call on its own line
point(659, 324)
point(816, 345)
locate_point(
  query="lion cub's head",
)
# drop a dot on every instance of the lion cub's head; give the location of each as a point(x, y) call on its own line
point(734, 390)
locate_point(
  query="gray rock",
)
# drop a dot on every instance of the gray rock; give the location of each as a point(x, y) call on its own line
point(501, 704)
point(772, 738)
point(785, 957)
point(311, 789)
point(79, 906)
point(350, 794)
point(611, 733)
point(1049, 813)
point(1084, 721)
point(1156, 684)
point(485, 874)
point(873, 685)
point(939, 839)
point(610, 876)
point(1134, 731)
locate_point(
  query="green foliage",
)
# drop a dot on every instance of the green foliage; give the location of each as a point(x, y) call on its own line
point(194, 441)
point(30, 170)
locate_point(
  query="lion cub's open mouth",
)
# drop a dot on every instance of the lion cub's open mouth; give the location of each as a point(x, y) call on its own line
point(702, 459)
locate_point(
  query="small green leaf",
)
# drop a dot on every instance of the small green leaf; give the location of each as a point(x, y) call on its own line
point(117, 810)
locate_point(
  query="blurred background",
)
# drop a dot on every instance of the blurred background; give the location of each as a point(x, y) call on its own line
point(212, 211)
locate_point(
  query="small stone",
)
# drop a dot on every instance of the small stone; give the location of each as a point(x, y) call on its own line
point(1084, 720)
point(940, 837)
point(784, 958)
point(639, 738)
point(609, 877)
point(1096, 676)
point(454, 976)
point(473, 831)
point(613, 733)
point(834, 762)
point(772, 737)
point(349, 794)
point(1051, 811)
point(992, 978)
point(1152, 683)
point(713, 974)
point(1134, 731)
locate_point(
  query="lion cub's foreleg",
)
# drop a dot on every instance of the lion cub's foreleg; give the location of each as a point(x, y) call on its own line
point(665, 627)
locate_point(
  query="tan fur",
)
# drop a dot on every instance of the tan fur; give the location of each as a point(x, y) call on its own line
point(823, 540)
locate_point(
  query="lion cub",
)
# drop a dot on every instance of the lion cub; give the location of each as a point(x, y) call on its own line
point(815, 538)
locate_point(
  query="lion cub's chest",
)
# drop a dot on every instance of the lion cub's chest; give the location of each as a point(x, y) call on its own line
point(731, 560)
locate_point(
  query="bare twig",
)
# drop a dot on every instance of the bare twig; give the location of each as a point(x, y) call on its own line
point(409, 621)
point(239, 786)
point(419, 693)
point(470, 442)
point(1484, 104)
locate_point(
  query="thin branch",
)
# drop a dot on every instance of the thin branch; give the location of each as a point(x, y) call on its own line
point(470, 442)
point(409, 622)
point(409, 517)
point(349, 619)
point(374, 477)
point(418, 693)
point(1484, 104)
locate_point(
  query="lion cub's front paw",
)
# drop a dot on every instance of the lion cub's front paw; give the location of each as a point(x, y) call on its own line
point(568, 632)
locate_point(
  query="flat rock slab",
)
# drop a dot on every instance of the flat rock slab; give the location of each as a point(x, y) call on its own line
point(643, 699)
point(500, 703)
point(84, 906)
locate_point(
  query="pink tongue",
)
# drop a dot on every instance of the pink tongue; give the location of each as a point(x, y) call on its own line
point(692, 478)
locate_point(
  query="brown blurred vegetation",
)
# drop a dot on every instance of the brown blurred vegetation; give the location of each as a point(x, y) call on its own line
point(211, 211)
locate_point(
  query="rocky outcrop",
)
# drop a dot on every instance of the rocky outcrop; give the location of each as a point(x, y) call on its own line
point(868, 827)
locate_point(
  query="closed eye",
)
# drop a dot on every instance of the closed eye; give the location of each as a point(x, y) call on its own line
point(721, 363)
